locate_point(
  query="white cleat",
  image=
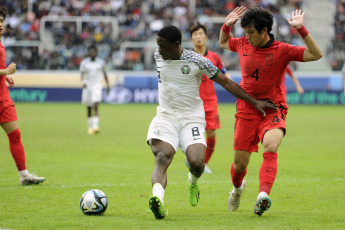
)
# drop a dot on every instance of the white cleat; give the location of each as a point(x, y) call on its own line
point(31, 179)
point(90, 131)
point(207, 169)
point(235, 197)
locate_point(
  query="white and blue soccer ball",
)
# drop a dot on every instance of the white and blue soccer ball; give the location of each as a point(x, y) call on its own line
point(93, 202)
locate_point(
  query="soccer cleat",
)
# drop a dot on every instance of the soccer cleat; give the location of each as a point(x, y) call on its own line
point(31, 179)
point(157, 207)
point(235, 197)
point(207, 169)
point(96, 130)
point(90, 131)
point(262, 204)
point(194, 193)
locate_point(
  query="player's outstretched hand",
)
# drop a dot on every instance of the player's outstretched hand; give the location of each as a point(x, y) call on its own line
point(296, 20)
point(234, 15)
point(265, 104)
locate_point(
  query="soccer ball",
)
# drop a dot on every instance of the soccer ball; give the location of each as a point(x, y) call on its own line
point(93, 202)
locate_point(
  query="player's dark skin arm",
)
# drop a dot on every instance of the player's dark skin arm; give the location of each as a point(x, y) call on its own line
point(238, 92)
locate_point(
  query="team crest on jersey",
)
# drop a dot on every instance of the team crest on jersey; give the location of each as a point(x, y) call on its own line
point(269, 59)
point(185, 69)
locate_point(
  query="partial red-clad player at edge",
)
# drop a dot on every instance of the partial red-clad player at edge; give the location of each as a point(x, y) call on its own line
point(288, 71)
point(263, 61)
point(8, 114)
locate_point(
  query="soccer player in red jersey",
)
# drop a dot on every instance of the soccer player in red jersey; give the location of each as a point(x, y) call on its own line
point(207, 92)
point(263, 61)
point(288, 71)
point(8, 115)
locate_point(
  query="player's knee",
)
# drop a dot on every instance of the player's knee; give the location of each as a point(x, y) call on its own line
point(240, 165)
point(271, 147)
point(162, 158)
point(197, 165)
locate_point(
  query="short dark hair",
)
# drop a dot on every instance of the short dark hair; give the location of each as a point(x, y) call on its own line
point(3, 11)
point(196, 27)
point(259, 17)
point(170, 33)
point(92, 47)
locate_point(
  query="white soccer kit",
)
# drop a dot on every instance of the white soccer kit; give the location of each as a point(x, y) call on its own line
point(93, 71)
point(180, 118)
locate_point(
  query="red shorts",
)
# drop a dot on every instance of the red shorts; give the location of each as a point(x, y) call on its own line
point(251, 128)
point(7, 111)
point(212, 119)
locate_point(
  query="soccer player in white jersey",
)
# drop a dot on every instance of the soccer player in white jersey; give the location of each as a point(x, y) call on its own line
point(180, 119)
point(91, 69)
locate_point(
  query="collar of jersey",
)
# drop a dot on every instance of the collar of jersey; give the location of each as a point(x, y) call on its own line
point(269, 43)
point(203, 54)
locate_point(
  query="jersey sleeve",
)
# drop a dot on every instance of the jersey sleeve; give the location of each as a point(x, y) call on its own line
point(220, 64)
point(207, 67)
point(234, 43)
point(294, 53)
point(82, 66)
point(104, 64)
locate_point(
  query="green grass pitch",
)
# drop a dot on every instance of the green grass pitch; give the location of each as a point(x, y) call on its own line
point(308, 192)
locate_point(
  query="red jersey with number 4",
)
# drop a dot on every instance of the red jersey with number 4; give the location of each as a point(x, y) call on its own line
point(262, 69)
point(4, 93)
point(207, 91)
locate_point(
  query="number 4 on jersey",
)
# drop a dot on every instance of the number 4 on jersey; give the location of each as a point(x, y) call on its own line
point(275, 119)
point(256, 74)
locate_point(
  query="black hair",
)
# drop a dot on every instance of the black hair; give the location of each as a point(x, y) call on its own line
point(170, 33)
point(92, 47)
point(196, 27)
point(259, 17)
point(3, 11)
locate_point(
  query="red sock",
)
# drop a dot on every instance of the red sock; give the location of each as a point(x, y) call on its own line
point(268, 172)
point(236, 177)
point(211, 142)
point(17, 149)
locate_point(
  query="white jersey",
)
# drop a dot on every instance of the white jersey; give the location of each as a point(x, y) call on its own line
point(94, 70)
point(179, 82)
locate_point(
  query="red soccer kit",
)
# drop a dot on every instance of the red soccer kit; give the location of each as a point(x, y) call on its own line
point(287, 71)
point(262, 73)
point(208, 93)
point(7, 110)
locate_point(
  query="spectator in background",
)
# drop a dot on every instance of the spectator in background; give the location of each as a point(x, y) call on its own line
point(137, 21)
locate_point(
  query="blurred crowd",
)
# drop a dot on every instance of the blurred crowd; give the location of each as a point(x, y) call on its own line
point(63, 44)
point(336, 51)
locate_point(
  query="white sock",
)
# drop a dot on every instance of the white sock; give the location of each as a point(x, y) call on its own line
point(192, 179)
point(23, 173)
point(238, 189)
point(158, 191)
point(95, 122)
point(262, 194)
point(90, 122)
